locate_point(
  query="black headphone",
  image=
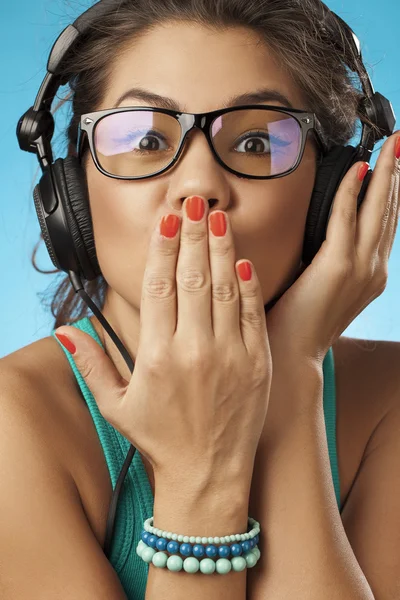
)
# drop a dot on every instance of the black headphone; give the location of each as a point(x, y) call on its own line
point(62, 201)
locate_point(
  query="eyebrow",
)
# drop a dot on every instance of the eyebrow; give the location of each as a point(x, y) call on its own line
point(261, 95)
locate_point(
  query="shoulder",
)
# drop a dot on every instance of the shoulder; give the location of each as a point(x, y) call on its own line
point(370, 514)
point(369, 370)
point(40, 391)
point(367, 381)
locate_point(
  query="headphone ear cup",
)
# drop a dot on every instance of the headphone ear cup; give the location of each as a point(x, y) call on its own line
point(72, 186)
point(333, 168)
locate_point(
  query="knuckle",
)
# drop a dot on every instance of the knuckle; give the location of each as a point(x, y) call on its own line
point(349, 213)
point(191, 280)
point(221, 249)
point(196, 357)
point(343, 269)
point(252, 316)
point(224, 292)
point(193, 236)
point(158, 287)
point(155, 359)
point(382, 279)
point(86, 369)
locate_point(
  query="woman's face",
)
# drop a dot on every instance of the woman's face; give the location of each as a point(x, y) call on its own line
point(199, 70)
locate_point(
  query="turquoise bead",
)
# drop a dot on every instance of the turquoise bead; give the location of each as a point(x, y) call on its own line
point(223, 566)
point(207, 566)
point(246, 546)
point(191, 565)
point(251, 559)
point(151, 541)
point(256, 552)
point(174, 563)
point(238, 563)
point(147, 554)
point(159, 559)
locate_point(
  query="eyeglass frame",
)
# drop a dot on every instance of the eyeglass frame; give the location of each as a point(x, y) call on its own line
point(203, 121)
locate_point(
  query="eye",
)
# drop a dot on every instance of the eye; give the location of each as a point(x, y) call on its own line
point(256, 142)
point(149, 141)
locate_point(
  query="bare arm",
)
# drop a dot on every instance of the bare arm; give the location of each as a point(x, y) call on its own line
point(305, 552)
point(47, 548)
point(178, 509)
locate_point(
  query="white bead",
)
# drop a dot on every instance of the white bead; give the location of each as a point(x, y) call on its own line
point(147, 554)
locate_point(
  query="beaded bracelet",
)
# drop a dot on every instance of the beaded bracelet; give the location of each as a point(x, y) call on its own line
point(192, 565)
point(153, 539)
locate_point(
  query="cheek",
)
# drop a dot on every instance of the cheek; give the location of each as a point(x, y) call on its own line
point(122, 231)
point(276, 241)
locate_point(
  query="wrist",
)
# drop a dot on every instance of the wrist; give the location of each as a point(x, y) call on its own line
point(184, 511)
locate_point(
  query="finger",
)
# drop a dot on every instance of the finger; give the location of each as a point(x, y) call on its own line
point(374, 212)
point(158, 311)
point(390, 231)
point(253, 323)
point(193, 277)
point(342, 224)
point(224, 285)
point(96, 368)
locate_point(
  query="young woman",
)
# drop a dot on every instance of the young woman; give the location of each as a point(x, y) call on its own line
point(238, 406)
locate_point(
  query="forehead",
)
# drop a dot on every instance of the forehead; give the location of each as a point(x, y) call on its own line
point(199, 67)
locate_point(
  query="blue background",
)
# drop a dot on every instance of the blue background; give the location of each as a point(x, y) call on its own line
point(28, 30)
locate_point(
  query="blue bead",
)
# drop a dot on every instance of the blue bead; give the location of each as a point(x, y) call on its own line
point(151, 541)
point(246, 546)
point(186, 549)
point(257, 538)
point(252, 543)
point(224, 551)
point(161, 543)
point(198, 550)
point(236, 549)
point(172, 547)
point(211, 551)
point(145, 536)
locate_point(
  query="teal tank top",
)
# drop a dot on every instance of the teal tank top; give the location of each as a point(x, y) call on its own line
point(136, 501)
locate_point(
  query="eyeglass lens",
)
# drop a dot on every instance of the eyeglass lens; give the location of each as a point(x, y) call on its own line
point(250, 141)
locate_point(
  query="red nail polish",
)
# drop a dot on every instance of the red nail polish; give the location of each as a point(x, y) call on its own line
point(363, 170)
point(245, 271)
point(66, 342)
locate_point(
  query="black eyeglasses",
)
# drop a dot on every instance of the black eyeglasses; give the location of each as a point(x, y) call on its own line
point(253, 141)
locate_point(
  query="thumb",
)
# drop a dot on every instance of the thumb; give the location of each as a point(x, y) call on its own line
point(96, 368)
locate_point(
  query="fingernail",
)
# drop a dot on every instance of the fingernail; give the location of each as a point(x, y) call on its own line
point(397, 148)
point(245, 271)
point(363, 170)
point(169, 226)
point(195, 208)
point(218, 224)
point(66, 342)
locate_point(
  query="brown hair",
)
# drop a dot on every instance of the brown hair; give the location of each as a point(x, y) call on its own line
point(298, 32)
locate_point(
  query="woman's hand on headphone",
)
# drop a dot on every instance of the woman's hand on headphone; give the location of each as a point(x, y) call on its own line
point(349, 271)
point(198, 396)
